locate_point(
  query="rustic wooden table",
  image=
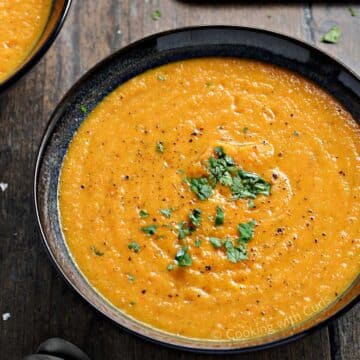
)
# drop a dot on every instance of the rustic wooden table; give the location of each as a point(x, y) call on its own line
point(40, 303)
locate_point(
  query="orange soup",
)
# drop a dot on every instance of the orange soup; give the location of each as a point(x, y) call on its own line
point(21, 24)
point(215, 197)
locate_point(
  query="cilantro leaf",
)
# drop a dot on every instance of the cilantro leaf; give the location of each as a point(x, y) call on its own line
point(83, 109)
point(332, 36)
point(130, 277)
point(150, 229)
point(197, 243)
point(215, 242)
point(170, 267)
point(201, 187)
point(96, 251)
point(235, 254)
point(183, 258)
point(134, 246)
point(160, 147)
point(195, 217)
point(156, 15)
point(219, 219)
point(167, 212)
point(143, 214)
point(246, 231)
point(248, 185)
point(352, 11)
point(184, 230)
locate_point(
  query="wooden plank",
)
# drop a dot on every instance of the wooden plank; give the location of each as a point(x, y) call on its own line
point(40, 303)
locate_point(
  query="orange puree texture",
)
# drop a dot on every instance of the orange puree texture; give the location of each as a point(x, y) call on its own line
point(305, 248)
point(21, 24)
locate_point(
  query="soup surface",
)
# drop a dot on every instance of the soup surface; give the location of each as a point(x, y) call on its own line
point(215, 198)
point(21, 24)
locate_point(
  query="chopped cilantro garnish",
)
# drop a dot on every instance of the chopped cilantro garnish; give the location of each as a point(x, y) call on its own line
point(223, 169)
point(197, 243)
point(251, 204)
point(248, 185)
point(220, 168)
point(160, 147)
point(245, 130)
point(296, 133)
point(352, 11)
point(219, 219)
point(195, 217)
point(150, 229)
point(96, 251)
point(83, 109)
point(215, 242)
point(332, 36)
point(134, 246)
point(184, 230)
point(246, 231)
point(167, 212)
point(131, 278)
point(143, 214)
point(156, 15)
point(161, 77)
point(170, 267)
point(235, 254)
point(200, 186)
point(183, 258)
point(187, 228)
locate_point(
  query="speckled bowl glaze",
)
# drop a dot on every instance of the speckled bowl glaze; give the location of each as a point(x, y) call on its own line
point(132, 60)
point(58, 13)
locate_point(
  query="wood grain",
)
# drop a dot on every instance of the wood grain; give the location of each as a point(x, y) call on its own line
point(40, 303)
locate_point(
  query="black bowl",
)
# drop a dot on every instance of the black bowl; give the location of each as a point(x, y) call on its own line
point(56, 19)
point(134, 59)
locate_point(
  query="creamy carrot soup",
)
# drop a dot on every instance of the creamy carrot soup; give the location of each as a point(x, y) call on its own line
point(21, 24)
point(215, 198)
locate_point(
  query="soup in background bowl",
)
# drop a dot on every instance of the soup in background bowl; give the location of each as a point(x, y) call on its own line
point(27, 29)
point(200, 188)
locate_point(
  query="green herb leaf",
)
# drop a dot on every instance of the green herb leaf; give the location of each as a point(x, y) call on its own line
point(183, 258)
point(251, 204)
point(170, 267)
point(134, 246)
point(201, 187)
point(156, 15)
point(130, 277)
point(296, 133)
point(161, 77)
point(352, 11)
point(197, 243)
point(143, 214)
point(167, 212)
point(96, 251)
point(184, 230)
point(83, 109)
point(219, 219)
point(150, 229)
point(332, 36)
point(248, 185)
point(235, 254)
point(215, 242)
point(195, 217)
point(160, 147)
point(245, 130)
point(246, 231)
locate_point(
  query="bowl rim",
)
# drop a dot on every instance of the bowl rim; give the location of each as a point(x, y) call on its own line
point(31, 61)
point(39, 157)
